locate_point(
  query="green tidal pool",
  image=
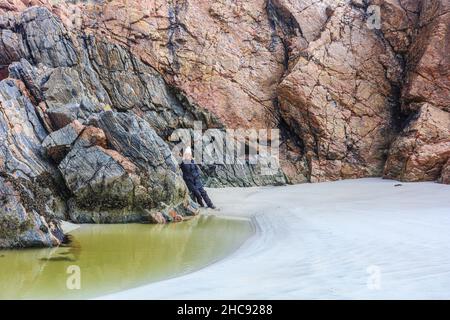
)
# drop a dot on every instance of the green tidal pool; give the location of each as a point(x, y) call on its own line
point(103, 259)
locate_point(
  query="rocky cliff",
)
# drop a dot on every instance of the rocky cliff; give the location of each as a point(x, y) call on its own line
point(91, 92)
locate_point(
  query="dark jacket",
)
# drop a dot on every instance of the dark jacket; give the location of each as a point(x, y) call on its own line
point(191, 174)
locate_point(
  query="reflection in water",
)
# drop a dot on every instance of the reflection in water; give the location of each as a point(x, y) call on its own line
point(117, 257)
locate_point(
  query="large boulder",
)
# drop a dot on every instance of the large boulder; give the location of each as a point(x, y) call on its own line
point(423, 147)
point(133, 137)
point(58, 143)
point(102, 187)
point(120, 170)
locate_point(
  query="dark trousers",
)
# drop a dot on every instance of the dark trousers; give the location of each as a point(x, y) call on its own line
point(200, 194)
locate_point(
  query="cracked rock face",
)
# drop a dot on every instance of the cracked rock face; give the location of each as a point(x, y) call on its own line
point(30, 196)
point(422, 150)
point(20, 227)
point(117, 169)
point(337, 99)
point(339, 90)
point(96, 89)
point(428, 78)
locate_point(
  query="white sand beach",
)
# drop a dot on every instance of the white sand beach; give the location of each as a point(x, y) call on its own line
point(351, 239)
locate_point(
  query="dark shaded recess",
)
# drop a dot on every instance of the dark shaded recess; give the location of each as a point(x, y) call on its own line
point(399, 118)
point(280, 17)
point(286, 131)
point(3, 72)
point(283, 18)
point(174, 31)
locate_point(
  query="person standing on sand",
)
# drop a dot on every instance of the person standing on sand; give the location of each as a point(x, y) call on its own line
point(191, 175)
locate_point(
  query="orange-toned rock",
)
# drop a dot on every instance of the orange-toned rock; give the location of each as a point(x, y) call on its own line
point(12, 5)
point(339, 90)
point(422, 149)
point(126, 164)
point(338, 102)
point(428, 78)
point(94, 137)
point(178, 218)
point(398, 21)
point(157, 218)
point(222, 54)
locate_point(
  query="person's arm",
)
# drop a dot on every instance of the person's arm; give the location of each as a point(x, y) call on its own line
point(183, 167)
point(196, 170)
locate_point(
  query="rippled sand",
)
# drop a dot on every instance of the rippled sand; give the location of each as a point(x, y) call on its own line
point(350, 239)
